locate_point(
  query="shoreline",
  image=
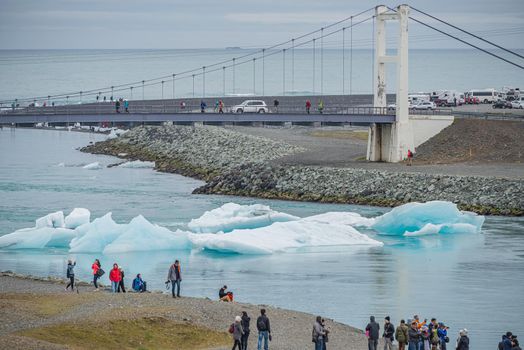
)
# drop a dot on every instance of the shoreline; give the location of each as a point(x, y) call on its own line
point(290, 329)
point(241, 167)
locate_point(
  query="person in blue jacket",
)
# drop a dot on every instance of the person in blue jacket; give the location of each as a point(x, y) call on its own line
point(203, 106)
point(139, 285)
point(442, 333)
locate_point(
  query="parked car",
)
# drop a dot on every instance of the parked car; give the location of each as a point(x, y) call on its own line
point(425, 105)
point(518, 102)
point(393, 106)
point(251, 106)
point(502, 104)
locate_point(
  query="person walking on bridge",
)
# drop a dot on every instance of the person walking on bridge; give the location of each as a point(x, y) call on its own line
point(126, 106)
point(308, 106)
point(320, 106)
point(203, 106)
point(117, 106)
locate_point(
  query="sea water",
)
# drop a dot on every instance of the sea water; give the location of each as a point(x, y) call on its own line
point(28, 73)
point(468, 280)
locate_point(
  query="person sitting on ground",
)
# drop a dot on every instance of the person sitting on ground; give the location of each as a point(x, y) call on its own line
point(225, 296)
point(139, 285)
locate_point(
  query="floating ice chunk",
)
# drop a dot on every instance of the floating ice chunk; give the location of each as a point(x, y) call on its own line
point(233, 216)
point(37, 238)
point(92, 166)
point(416, 219)
point(343, 218)
point(61, 165)
point(288, 236)
point(137, 164)
point(55, 220)
point(141, 235)
point(95, 236)
point(78, 216)
point(115, 133)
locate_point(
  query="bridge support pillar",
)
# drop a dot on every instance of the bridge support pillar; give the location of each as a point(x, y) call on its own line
point(390, 143)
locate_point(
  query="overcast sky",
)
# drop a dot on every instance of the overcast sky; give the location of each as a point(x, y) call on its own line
point(86, 24)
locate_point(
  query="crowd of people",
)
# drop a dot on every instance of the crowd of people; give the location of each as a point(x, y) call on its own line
point(411, 335)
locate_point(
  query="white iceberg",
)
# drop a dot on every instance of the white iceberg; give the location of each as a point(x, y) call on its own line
point(55, 220)
point(77, 217)
point(232, 216)
point(95, 236)
point(435, 217)
point(291, 236)
point(92, 166)
point(141, 235)
point(137, 164)
point(343, 218)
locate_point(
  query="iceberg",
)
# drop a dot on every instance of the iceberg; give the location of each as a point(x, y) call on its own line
point(55, 220)
point(92, 166)
point(141, 235)
point(95, 236)
point(77, 217)
point(291, 236)
point(232, 216)
point(137, 164)
point(435, 217)
point(343, 218)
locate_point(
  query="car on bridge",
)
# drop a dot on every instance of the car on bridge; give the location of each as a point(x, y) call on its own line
point(518, 102)
point(251, 106)
point(425, 105)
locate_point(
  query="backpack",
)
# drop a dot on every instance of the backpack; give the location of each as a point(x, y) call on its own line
point(232, 328)
point(100, 272)
point(261, 325)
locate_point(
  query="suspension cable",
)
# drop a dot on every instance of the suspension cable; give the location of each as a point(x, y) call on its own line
point(469, 33)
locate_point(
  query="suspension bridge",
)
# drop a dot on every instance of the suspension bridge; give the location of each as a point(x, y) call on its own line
point(393, 131)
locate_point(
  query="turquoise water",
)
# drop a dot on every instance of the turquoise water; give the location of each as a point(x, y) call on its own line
point(28, 73)
point(466, 280)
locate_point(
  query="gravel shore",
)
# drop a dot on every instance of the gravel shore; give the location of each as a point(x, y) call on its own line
point(291, 330)
point(237, 163)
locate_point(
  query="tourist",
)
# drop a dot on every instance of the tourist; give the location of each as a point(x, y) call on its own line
point(126, 106)
point(320, 106)
point(237, 333)
point(308, 106)
point(264, 330)
point(203, 106)
point(323, 323)
point(245, 327)
point(216, 106)
point(182, 105)
point(424, 335)
point(410, 158)
point(372, 332)
point(223, 295)
point(515, 343)
point(276, 103)
point(443, 335)
point(115, 276)
point(117, 106)
point(71, 274)
point(121, 283)
point(389, 331)
point(401, 335)
point(505, 344)
point(175, 277)
point(463, 340)
point(97, 272)
point(104, 99)
point(433, 334)
point(413, 336)
point(220, 106)
point(139, 285)
point(318, 334)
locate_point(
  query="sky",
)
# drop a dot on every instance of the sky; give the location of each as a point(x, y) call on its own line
point(173, 24)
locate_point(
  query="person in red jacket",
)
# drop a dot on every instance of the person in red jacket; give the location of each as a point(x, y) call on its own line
point(308, 106)
point(96, 272)
point(115, 277)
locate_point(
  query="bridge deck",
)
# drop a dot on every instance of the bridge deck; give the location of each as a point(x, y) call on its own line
point(197, 117)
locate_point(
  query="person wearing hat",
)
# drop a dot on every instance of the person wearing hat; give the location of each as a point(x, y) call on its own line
point(413, 336)
point(401, 335)
point(463, 340)
point(372, 331)
point(388, 335)
point(443, 335)
point(515, 343)
point(237, 333)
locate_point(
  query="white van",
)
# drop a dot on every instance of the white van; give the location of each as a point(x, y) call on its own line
point(485, 96)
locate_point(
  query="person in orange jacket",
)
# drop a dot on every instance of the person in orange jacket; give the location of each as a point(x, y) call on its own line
point(115, 277)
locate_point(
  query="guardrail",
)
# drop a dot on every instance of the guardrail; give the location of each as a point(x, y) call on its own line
point(109, 108)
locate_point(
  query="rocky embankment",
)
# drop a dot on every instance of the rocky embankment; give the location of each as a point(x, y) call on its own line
point(233, 163)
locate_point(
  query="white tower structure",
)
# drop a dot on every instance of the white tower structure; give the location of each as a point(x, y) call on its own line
point(391, 142)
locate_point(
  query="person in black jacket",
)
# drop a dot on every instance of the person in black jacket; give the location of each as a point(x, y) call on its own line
point(245, 326)
point(389, 333)
point(121, 283)
point(71, 275)
point(463, 341)
point(264, 330)
point(373, 330)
